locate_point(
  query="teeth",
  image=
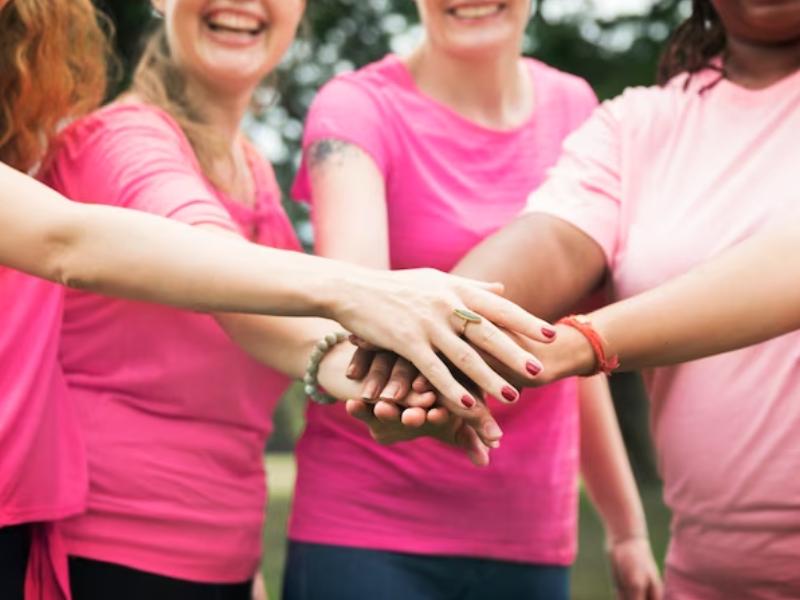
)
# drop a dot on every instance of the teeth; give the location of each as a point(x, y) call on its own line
point(476, 12)
point(235, 21)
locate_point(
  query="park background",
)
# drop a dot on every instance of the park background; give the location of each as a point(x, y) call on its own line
point(613, 44)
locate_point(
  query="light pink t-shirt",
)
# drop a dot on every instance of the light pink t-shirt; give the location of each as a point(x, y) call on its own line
point(450, 183)
point(175, 415)
point(664, 179)
point(42, 460)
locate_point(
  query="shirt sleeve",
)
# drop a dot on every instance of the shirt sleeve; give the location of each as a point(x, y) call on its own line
point(347, 111)
point(584, 187)
point(135, 158)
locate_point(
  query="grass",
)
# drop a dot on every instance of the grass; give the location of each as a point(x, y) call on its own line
point(590, 576)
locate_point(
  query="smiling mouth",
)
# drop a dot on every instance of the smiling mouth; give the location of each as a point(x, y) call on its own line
point(234, 22)
point(476, 11)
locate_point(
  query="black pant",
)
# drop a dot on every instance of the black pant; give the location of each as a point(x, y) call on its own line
point(96, 580)
point(15, 546)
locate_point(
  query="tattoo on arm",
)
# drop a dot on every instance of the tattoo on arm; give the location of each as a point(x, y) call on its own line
point(327, 152)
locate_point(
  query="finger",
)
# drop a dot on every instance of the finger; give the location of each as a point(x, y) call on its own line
point(467, 360)
point(489, 338)
point(359, 364)
point(656, 589)
point(438, 416)
point(359, 410)
point(363, 344)
point(455, 396)
point(400, 380)
point(421, 384)
point(477, 452)
point(378, 375)
point(426, 400)
point(387, 412)
point(413, 417)
point(506, 314)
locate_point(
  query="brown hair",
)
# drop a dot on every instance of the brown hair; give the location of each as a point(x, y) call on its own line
point(64, 46)
point(158, 80)
point(694, 44)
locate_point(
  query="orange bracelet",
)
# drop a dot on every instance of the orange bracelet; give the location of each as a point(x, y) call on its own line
point(582, 323)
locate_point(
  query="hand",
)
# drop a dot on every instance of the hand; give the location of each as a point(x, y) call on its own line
point(388, 424)
point(389, 378)
point(634, 570)
point(411, 314)
point(259, 589)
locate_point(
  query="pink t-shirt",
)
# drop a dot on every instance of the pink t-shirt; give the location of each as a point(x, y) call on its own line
point(42, 461)
point(450, 183)
point(664, 179)
point(175, 415)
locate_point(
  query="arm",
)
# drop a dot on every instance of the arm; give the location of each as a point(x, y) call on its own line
point(139, 256)
point(609, 482)
point(744, 296)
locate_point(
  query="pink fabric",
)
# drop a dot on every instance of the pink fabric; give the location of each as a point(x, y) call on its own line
point(175, 415)
point(664, 179)
point(42, 458)
point(450, 183)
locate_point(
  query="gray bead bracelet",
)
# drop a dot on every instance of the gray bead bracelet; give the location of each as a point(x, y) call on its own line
point(310, 383)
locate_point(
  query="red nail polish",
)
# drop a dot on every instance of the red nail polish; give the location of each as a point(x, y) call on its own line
point(532, 368)
point(548, 332)
point(510, 393)
point(468, 401)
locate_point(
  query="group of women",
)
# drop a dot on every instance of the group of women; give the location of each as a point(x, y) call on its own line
point(135, 405)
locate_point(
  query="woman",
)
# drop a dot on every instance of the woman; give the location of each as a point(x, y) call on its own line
point(445, 145)
point(130, 254)
point(694, 167)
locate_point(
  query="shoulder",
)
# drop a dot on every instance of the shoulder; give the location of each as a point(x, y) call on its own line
point(553, 81)
point(125, 124)
point(372, 84)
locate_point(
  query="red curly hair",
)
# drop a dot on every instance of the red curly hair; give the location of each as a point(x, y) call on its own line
point(54, 57)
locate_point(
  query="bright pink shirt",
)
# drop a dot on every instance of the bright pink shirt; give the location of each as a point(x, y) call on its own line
point(42, 460)
point(450, 183)
point(663, 179)
point(175, 415)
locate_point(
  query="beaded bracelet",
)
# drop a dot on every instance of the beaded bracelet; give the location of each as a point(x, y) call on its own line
point(321, 348)
point(603, 364)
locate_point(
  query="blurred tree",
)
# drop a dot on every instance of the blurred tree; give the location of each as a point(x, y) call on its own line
point(337, 35)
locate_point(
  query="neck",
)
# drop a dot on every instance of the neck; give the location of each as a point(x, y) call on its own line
point(495, 92)
point(223, 111)
point(756, 65)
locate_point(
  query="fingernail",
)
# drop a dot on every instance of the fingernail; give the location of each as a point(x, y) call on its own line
point(548, 332)
point(510, 393)
point(492, 430)
point(390, 391)
point(369, 391)
point(494, 445)
point(533, 368)
point(468, 401)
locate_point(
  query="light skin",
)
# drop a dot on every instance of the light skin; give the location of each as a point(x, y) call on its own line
point(473, 66)
point(134, 255)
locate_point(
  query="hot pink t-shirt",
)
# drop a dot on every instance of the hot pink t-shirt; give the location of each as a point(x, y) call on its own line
point(175, 415)
point(42, 461)
point(450, 183)
point(664, 179)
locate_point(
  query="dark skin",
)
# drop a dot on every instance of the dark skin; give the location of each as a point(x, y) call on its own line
point(556, 264)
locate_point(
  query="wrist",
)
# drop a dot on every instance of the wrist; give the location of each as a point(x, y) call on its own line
point(574, 354)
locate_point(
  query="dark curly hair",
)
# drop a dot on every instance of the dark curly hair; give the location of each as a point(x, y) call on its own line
point(694, 44)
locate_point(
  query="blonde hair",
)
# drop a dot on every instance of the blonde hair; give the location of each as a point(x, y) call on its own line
point(158, 80)
point(54, 57)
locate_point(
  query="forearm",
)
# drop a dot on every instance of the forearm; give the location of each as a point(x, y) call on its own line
point(604, 464)
point(546, 265)
point(131, 254)
point(747, 295)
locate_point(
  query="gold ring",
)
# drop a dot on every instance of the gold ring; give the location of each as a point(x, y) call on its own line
point(467, 316)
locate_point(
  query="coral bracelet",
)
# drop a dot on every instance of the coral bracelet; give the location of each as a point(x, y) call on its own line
point(603, 364)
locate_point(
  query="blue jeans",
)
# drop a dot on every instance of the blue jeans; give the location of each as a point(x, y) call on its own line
point(322, 572)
